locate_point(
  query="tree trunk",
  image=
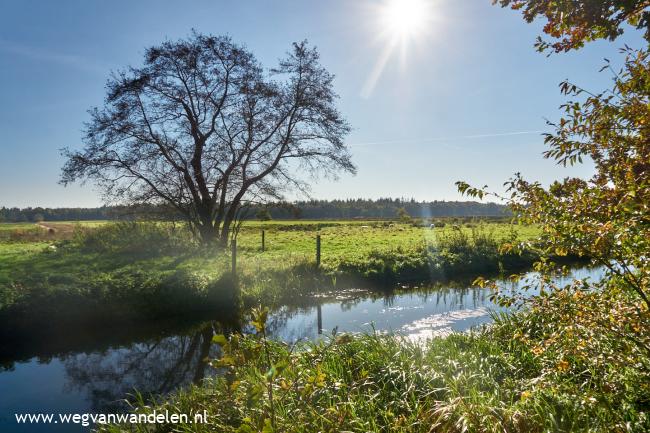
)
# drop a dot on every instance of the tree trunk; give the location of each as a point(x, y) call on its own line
point(207, 227)
point(208, 232)
point(231, 216)
point(225, 234)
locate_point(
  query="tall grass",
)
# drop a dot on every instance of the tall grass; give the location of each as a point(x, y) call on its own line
point(136, 238)
point(477, 251)
point(27, 233)
point(453, 253)
point(493, 379)
point(139, 270)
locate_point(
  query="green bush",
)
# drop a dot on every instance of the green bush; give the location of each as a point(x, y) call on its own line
point(507, 377)
point(476, 253)
point(136, 238)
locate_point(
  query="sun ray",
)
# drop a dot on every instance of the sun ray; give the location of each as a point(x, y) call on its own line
point(378, 69)
point(401, 23)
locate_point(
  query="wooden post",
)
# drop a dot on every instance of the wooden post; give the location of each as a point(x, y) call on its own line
point(262, 240)
point(233, 255)
point(319, 311)
point(319, 318)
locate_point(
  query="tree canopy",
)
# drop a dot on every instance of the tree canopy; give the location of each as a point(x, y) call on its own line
point(572, 23)
point(606, 217)
point(311, 209)
point(601, 325)
point(204, 128)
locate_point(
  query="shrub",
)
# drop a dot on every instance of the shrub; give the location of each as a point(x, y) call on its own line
point(136, 238)
point(492, 379)
point(460, 252)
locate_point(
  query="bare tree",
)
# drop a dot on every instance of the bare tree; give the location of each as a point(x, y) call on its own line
point(204, 128)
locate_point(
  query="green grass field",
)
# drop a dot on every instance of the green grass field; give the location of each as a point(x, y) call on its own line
point(286, 244)
point(352, 238)
point(148, 270)
point(286, 239)
point(87, 272)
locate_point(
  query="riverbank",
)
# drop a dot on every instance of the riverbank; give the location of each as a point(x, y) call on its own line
point(101, 367)
point(124, 273)
point(538, 370)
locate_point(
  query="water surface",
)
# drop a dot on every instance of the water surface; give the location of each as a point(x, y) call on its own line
point(97, 377)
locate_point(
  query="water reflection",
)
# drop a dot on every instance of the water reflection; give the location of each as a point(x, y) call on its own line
point(396, 311)
point(153, 368)
point(97, 375)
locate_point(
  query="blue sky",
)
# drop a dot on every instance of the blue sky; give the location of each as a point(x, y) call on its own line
point(466, 102)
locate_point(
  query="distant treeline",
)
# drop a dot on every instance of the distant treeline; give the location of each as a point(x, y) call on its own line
point(35, 214)
point(385, 208)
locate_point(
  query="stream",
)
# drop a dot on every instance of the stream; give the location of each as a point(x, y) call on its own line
point(98, 375)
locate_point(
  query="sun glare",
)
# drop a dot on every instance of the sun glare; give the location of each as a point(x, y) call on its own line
point(402, 24)
point(404, 18)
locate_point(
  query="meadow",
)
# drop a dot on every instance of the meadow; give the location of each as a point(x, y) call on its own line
point(543, 368)
point(284, 240)
point(76, 272)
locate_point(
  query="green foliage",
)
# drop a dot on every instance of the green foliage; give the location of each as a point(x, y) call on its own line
point(515, 376)
point(590, 341)
point(136, 238)
point(263, 215)
point(403, 215)
point(607, 216)
point(476, 252)
point(591, 349)
point(572, 23)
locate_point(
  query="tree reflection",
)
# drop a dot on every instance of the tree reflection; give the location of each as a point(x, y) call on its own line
point(151, 368)
point(157, 366)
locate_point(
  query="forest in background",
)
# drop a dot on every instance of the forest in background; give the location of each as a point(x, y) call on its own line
point(312, 209)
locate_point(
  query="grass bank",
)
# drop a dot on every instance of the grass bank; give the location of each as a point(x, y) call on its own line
point(140, 271)
point(546, 369)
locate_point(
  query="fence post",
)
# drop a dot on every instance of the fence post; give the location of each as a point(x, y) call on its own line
point(319, 312)
point(233, 255)
point(319, 318)
point(262, 240)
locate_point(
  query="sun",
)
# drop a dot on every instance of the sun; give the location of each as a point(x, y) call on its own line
point(404, 19)
point(401, 26)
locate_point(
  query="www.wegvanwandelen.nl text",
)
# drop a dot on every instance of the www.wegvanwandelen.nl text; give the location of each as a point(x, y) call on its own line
point(86, 419)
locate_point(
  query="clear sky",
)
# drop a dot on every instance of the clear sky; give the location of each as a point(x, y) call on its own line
point(465, 101)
